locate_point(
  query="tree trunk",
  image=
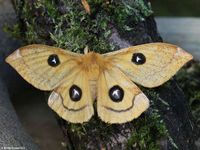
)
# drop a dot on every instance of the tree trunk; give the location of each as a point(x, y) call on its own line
point(168, 123)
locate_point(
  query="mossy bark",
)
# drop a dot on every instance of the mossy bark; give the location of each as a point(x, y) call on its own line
point(168, 124)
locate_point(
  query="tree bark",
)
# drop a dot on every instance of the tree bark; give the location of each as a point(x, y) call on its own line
point(168, 124)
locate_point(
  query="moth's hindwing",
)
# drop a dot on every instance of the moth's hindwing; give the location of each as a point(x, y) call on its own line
point(119, 100)
point(72, 99)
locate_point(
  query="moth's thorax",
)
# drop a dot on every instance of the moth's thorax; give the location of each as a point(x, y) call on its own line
point(93, 63)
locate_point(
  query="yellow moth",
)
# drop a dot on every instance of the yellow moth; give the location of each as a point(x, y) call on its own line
point(79, 79)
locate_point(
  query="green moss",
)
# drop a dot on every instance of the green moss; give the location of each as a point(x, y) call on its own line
point(148, 131)
point(136, 11)
point(92, 131)
point(67, 25)
point(14, 31)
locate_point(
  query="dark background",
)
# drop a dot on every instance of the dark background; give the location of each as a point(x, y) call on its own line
point(176, 7)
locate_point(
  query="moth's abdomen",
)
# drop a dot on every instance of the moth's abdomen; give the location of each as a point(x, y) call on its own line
point(93, 88)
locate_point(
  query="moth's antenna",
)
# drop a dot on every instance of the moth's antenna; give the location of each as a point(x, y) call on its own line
point(86, 50)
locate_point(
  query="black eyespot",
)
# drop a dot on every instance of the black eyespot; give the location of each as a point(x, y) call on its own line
point(53, 60)
point(138, 58)
point(75, 93)
point(116, 93)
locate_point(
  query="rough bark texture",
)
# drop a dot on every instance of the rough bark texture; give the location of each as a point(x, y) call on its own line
point(168, 100)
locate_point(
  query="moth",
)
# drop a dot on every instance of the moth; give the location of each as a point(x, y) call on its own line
point(77, 80)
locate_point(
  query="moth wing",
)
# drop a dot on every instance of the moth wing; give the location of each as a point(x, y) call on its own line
point(31, 62)
point(162, 61)
point(73, 110)
point(134, 102)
